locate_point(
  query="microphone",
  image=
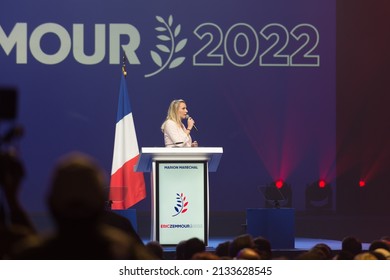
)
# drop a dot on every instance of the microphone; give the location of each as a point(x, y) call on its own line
point(188, 117)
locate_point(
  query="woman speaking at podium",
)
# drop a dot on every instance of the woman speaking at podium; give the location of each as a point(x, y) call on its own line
point(176, 134)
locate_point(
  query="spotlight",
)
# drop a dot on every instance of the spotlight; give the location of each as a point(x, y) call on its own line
point(321, 183)
point(362, 183)
point(277, 194)
point(319, 195)
point(279, 184)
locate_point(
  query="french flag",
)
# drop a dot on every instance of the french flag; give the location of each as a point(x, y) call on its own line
point(126, 186)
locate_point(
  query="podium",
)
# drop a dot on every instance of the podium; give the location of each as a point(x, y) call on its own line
point(179, 191)
point(275, 224)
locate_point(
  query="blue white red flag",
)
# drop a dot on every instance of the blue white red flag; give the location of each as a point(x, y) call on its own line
point(126, 186)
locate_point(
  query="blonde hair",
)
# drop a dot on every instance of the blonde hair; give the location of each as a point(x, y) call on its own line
point(172, 113)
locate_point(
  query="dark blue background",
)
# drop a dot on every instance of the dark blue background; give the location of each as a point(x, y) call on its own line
point(273, 122)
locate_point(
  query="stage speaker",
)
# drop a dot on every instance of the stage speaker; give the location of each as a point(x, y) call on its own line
point(319, 196)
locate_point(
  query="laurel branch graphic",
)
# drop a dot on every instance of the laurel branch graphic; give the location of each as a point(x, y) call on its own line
point(181, 204)
point(168, 36)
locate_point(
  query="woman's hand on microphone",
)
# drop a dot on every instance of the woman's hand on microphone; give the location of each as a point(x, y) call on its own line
point(190, 123)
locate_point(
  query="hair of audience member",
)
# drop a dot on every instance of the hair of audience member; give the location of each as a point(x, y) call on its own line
point(378, 244)
point(325, 250)
point(248, 254)
point(222, 249)
point(180, 247)
point(240, 242)
point(312, 254)
point(384, 252)
point(264, 248)
point(155, 248)
point(192, 246)
point(352, 245)
point(369, 256)
point(344, 255)
point(205, 256)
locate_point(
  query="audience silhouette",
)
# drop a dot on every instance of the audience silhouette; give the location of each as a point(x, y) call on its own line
point(76, 201)
point(15, 225)
point(351, 246)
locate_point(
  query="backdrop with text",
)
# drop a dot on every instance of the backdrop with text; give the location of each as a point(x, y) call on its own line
point(258, 78)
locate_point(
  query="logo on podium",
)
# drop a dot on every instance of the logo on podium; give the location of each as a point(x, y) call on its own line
point(181, 204)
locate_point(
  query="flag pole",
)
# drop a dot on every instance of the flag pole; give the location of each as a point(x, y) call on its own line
point(124, 58)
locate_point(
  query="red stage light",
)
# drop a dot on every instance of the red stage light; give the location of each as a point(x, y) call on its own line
point(279, 184)
point(321, 183)
point(362, 183)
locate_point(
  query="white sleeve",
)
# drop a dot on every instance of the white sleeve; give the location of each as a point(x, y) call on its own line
point(174, 134)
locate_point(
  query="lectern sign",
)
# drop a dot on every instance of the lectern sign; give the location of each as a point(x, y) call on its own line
point(180, 191)
point(182, 201)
